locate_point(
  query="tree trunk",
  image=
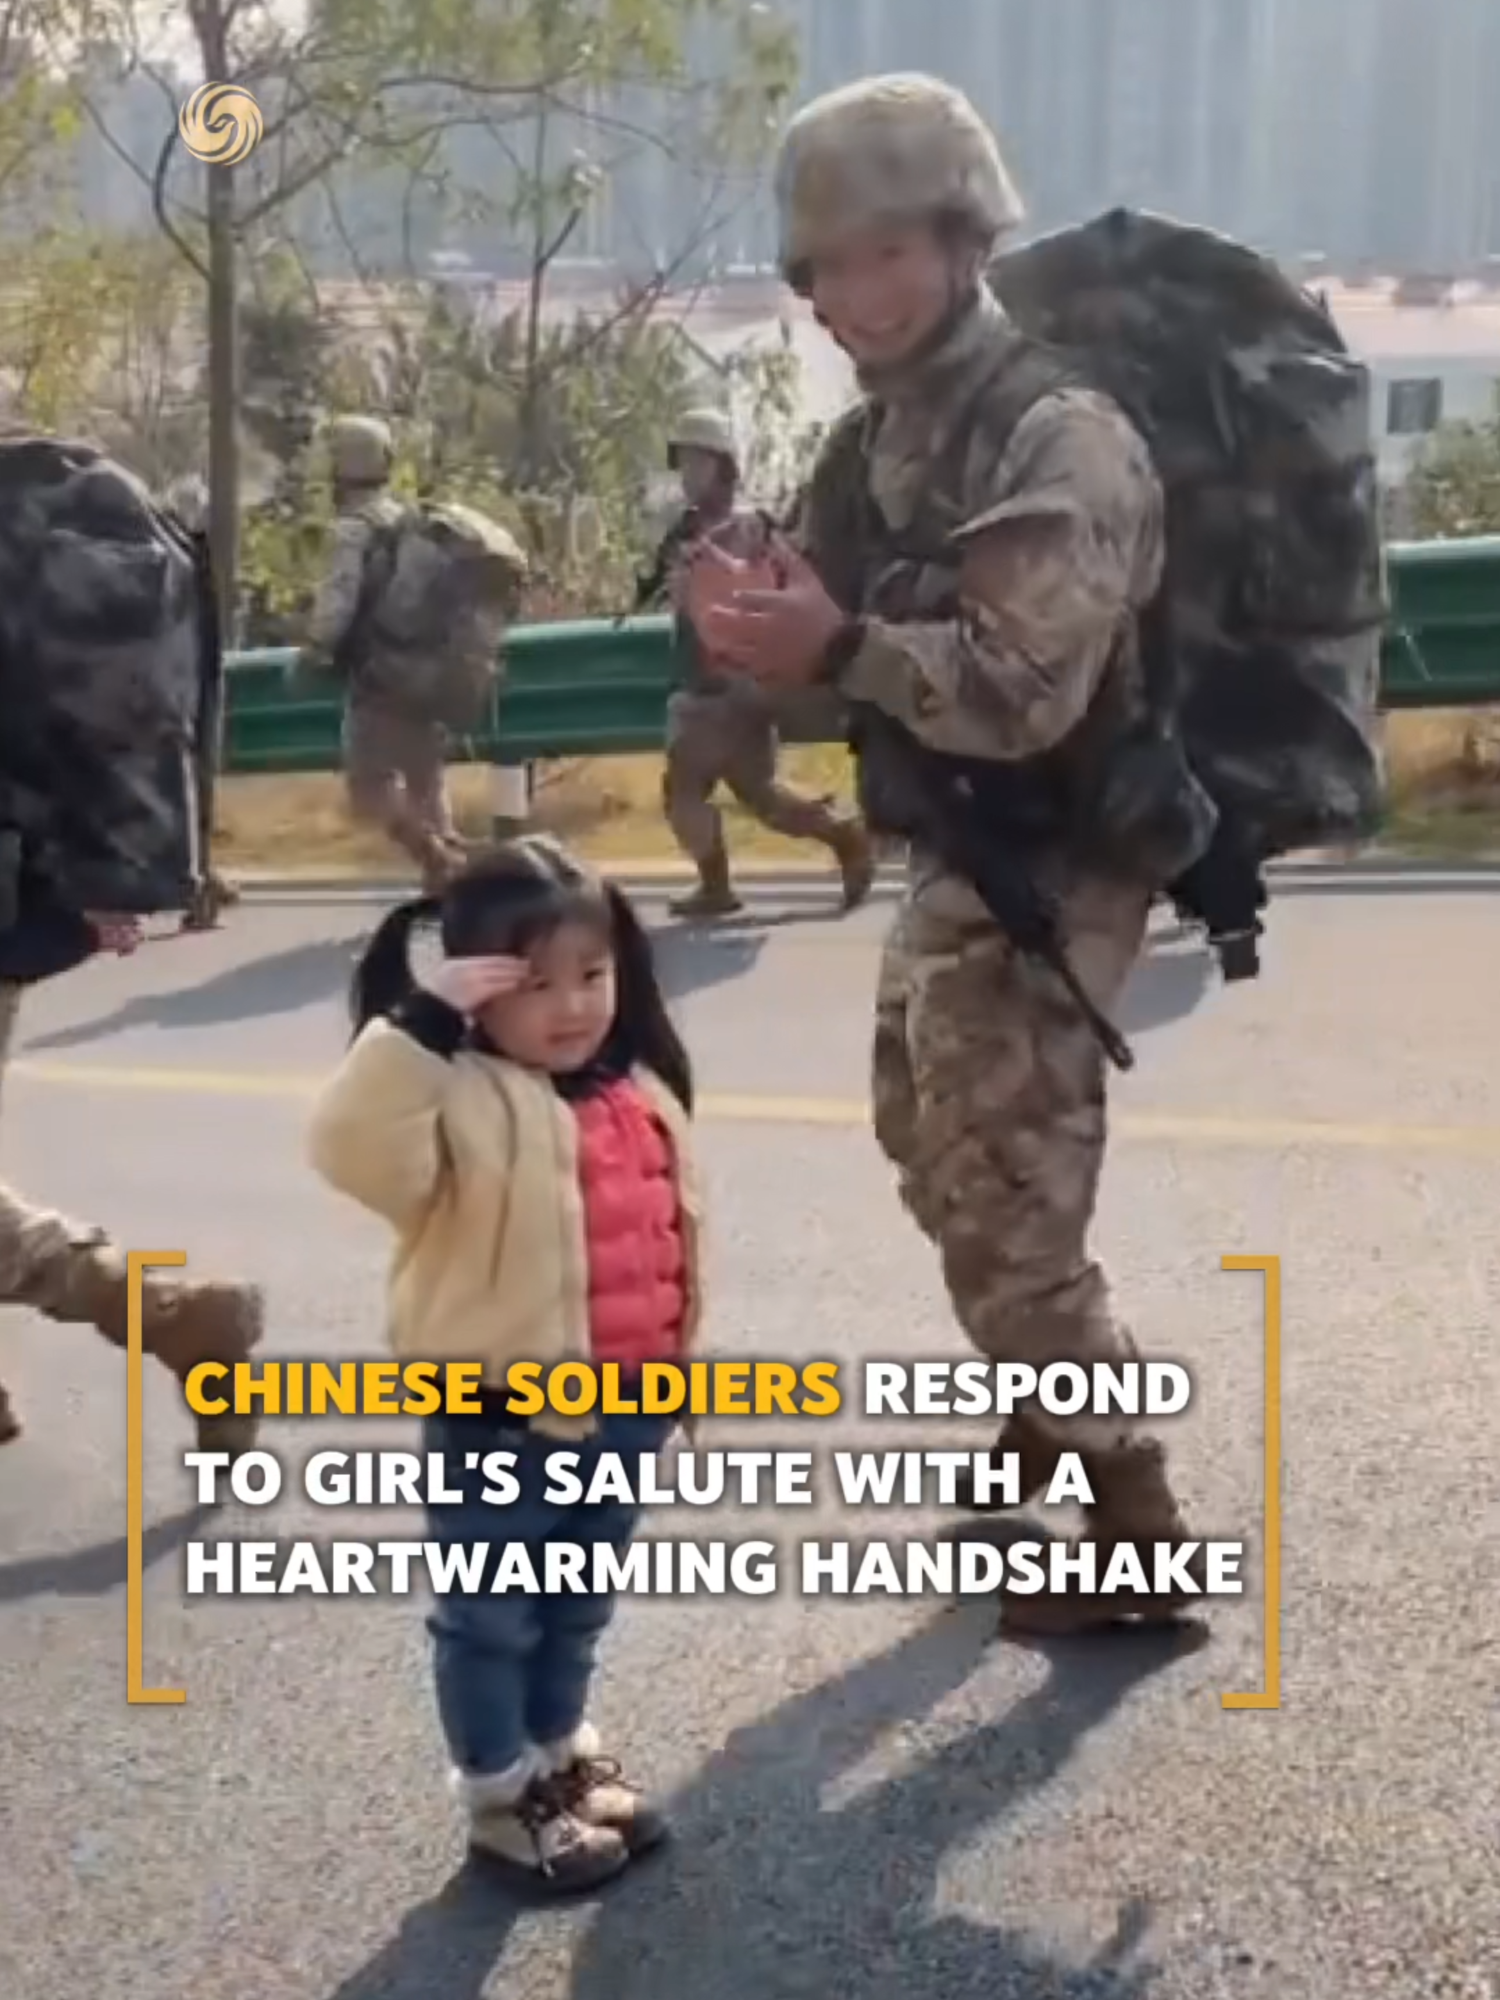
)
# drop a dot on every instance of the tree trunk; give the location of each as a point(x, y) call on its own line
point(223, 396)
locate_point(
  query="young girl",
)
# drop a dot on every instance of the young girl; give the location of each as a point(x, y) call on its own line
point(522, 1123)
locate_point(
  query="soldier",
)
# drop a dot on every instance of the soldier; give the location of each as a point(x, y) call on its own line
point(394, 761)
point(721, 728)
point(988, 1079)
point(71, 1272)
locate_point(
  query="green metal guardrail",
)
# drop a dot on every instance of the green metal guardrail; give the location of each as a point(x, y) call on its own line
point(597, 689)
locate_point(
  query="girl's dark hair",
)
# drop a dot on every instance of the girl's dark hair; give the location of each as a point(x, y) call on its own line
point(505, 904)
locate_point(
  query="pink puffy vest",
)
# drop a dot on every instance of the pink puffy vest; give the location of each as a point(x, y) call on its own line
point(634, 1229)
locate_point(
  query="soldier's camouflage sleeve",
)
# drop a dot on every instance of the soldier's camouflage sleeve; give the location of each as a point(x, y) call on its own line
point(339, 591)
point(1066, 547)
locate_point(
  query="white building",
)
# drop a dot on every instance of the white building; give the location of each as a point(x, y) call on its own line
point(1434, 360)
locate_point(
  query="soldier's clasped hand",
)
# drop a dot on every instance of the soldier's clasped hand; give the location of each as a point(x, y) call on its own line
point(119, 934)
point(778, 634)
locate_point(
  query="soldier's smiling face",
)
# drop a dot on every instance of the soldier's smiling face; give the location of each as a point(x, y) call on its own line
point(882, 292)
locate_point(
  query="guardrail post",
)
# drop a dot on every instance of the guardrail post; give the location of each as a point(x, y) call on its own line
point(510, 800)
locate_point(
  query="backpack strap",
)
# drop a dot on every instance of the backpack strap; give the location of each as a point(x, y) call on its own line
point(1026, 372)
point(379, 567)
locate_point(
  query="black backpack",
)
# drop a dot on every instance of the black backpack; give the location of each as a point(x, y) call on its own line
point(1261, 652)
point(110, 678)
point(1264, 643)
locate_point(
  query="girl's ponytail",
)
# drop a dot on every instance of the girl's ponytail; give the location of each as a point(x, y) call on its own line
point(642, 1024)
point(383, 977)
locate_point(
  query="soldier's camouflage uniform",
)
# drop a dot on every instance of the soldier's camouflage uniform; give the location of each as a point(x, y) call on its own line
point(394, 762)
point(70, 1272)
point(988, 1085)
point(722, 730)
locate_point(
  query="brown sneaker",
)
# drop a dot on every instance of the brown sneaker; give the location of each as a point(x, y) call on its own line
point(520, 1820)
point(10, 1423)
point(597, 1792)
point(1133, 1504)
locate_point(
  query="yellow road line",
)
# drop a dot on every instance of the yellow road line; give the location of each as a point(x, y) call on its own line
point(741, 1108)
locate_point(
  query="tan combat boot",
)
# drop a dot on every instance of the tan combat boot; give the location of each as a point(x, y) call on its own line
point(1037, 1455)
point(714, 895)
point(215, 894)
point(183, 1322)
point(855, 853)
point(1132, 1503)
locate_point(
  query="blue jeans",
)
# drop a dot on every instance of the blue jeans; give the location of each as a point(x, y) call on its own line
point(514, 1670)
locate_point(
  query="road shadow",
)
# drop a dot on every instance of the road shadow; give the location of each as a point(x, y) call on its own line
point(693, 957)
point(1172, 977)
point(282, 982)
point(99, 1568)
point(770, 1893)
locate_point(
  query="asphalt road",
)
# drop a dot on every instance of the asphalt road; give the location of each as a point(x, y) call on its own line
point(872, 1799)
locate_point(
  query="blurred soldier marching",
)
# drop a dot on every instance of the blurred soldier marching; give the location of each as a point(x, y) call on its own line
point(393, 759)
point(99, 812)
point(71, 1271)
point(722, 727)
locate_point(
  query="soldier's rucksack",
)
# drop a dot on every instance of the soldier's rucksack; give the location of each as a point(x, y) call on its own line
point(442, 585)
point(1265, 642)
point(109, 671)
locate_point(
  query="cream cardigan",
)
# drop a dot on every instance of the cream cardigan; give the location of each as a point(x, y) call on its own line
point(473, 1161)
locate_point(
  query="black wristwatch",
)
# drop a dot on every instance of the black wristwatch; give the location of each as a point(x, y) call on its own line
point(842, 648)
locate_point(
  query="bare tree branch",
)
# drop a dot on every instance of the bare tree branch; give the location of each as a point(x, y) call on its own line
point(159, 205)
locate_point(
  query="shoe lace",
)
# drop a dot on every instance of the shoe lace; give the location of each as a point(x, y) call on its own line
point(582, 1775)
point(546, 1807)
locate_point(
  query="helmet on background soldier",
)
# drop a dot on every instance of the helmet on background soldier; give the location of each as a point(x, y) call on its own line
point(703, 430)
point(187, 498)
point(888, 150)
point(360, 450)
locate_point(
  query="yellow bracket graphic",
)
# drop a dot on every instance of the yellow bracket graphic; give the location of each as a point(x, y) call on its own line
point(1270, 1694)
point(136, 1692)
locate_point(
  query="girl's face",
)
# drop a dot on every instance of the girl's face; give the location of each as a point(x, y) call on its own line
point(558, 1018)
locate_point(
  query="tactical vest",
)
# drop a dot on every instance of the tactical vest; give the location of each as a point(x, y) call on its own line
point(1117, 794)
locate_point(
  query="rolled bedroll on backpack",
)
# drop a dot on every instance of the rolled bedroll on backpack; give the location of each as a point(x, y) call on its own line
point(1259, 421)
point(103, 682)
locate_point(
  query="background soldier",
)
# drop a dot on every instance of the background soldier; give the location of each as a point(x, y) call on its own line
point(721, 727)
point(1034, 520)
point(72, 1272)
point(393, 760)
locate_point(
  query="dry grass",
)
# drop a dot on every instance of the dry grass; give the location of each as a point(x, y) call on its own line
point(1445, 783)
point(1445, 788)
point(609, 807)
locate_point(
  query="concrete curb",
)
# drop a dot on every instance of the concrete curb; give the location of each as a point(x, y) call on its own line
point(651, 877)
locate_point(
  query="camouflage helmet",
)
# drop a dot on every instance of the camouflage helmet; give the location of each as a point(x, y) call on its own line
point(187, 498)
point(888, 149)
point(360, 450)
point(703, 430)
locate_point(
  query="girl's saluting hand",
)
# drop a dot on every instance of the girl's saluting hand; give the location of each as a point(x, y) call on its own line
point(467, 984)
